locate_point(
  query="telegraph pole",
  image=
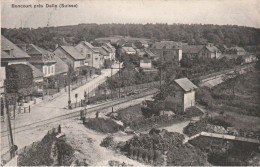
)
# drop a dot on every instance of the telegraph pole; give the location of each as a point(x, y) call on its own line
point(161, 73)
point(119, 74)
point(69, 73)
point(8, 123)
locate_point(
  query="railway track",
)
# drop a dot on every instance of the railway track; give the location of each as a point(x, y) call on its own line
point(76, 113)
point(92, 109)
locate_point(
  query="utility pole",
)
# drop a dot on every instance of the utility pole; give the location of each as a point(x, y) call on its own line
point(161, 73)
point(69, 73)
point(119, 73)
point(8, 123)
point(85, 95)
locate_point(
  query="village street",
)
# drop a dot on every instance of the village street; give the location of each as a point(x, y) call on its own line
point(85, 141)
point(56, 107)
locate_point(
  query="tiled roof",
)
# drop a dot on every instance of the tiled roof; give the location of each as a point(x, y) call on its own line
point(109, 45)
point(192, 48)
point(185, 84)
point(88, 44)
point(95, 49)
point(73, 52)
point(7, 45)
point(60, 66)
point(33, 49)
point(151, 54)
point(128, 49)
point(102, 51)
point(107, 49)
point(212, 48)
point(36, 72)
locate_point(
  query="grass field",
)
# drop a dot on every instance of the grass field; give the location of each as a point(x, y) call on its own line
point(246, 98)
point(241, 110)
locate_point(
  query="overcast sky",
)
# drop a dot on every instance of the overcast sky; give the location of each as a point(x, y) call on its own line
point(222, 12)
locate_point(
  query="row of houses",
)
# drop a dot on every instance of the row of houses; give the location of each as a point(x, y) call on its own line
point(179, 50)
point(46, 64)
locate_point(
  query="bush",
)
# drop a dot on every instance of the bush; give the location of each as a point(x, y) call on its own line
point(192, 112)
point(186, 155)
point(219, 121)
point(108, 142)
point(203, 97)
point(103, 125)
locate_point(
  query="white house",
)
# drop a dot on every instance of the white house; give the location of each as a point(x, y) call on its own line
point(183, 95)
point(71, 56)
point(91, 54)
point(146, 63)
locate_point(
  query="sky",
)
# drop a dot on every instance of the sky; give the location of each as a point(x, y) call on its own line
point(221, 12)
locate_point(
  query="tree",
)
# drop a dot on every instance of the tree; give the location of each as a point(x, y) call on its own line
point(108, 63)
point(19, 79)
point(239, 60)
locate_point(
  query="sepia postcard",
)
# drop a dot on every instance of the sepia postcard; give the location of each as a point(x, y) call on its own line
point(130, 83)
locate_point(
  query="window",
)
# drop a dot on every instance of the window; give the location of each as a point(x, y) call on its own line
point(88, 55)
point(44, 70)
point(52, 69)
point(49, 70)
point(96, 58)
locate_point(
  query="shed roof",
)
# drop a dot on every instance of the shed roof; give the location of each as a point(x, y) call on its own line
point(73, 52)
point(7, 45)
point(185, 84)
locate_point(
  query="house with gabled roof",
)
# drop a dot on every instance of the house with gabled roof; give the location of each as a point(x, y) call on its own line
point(128, 50)
point(182, 95)
point(146, 63)
point(90, 53)
point(111, 50)
point(208, 51)
point(236, 50)
point(71, 56)
point(40, 58)
point(12, 54)
point(168, 50)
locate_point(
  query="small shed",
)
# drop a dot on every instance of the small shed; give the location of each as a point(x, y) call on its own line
point(183, 95)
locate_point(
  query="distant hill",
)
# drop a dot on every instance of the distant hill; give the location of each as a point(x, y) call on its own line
point(193, 34)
